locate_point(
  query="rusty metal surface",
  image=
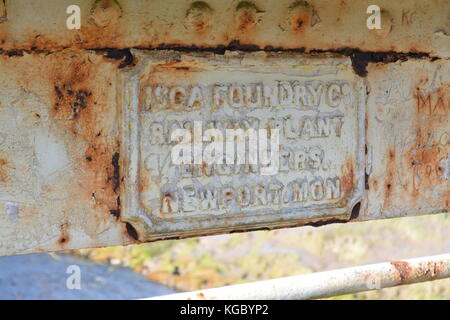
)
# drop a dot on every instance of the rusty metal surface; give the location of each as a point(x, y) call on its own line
point(80, 162)
point(59, 144)
point(329, 283)
point(407, 26)
point(74, 174)
point(408, 145)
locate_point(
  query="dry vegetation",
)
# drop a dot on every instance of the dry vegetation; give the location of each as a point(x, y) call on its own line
point(226, 259)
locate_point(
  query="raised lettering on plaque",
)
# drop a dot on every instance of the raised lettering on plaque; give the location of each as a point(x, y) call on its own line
point(245, 140)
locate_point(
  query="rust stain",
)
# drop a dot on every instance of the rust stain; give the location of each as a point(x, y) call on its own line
point(143, 184)
point(131, 232)
point(167, 201)
point(348, 176)
point(4, 170)
point(389, 177)
point(71, 101)
point(300, 16)
point(404, 270)
point(78, 106)
point(36, 41)
point(424, 271)
point(247, 18)
point(246, 21)
point(201, 295)
point(431, 270)
point(425, 161)
point(64, 237)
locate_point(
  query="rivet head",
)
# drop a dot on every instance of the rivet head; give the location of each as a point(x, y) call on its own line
point(300, 15)
point(247, 15)
point(198, 16)
point(106, 11)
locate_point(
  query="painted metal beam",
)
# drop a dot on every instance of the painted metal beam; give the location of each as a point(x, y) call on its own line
point(87, 116)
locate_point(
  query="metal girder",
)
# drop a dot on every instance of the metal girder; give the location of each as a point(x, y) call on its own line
point(85, 135)
point(408, 26)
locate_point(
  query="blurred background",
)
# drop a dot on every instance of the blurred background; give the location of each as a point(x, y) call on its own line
point(163, 267)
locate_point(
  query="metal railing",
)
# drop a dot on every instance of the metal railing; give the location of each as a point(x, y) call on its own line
point(329, 283)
